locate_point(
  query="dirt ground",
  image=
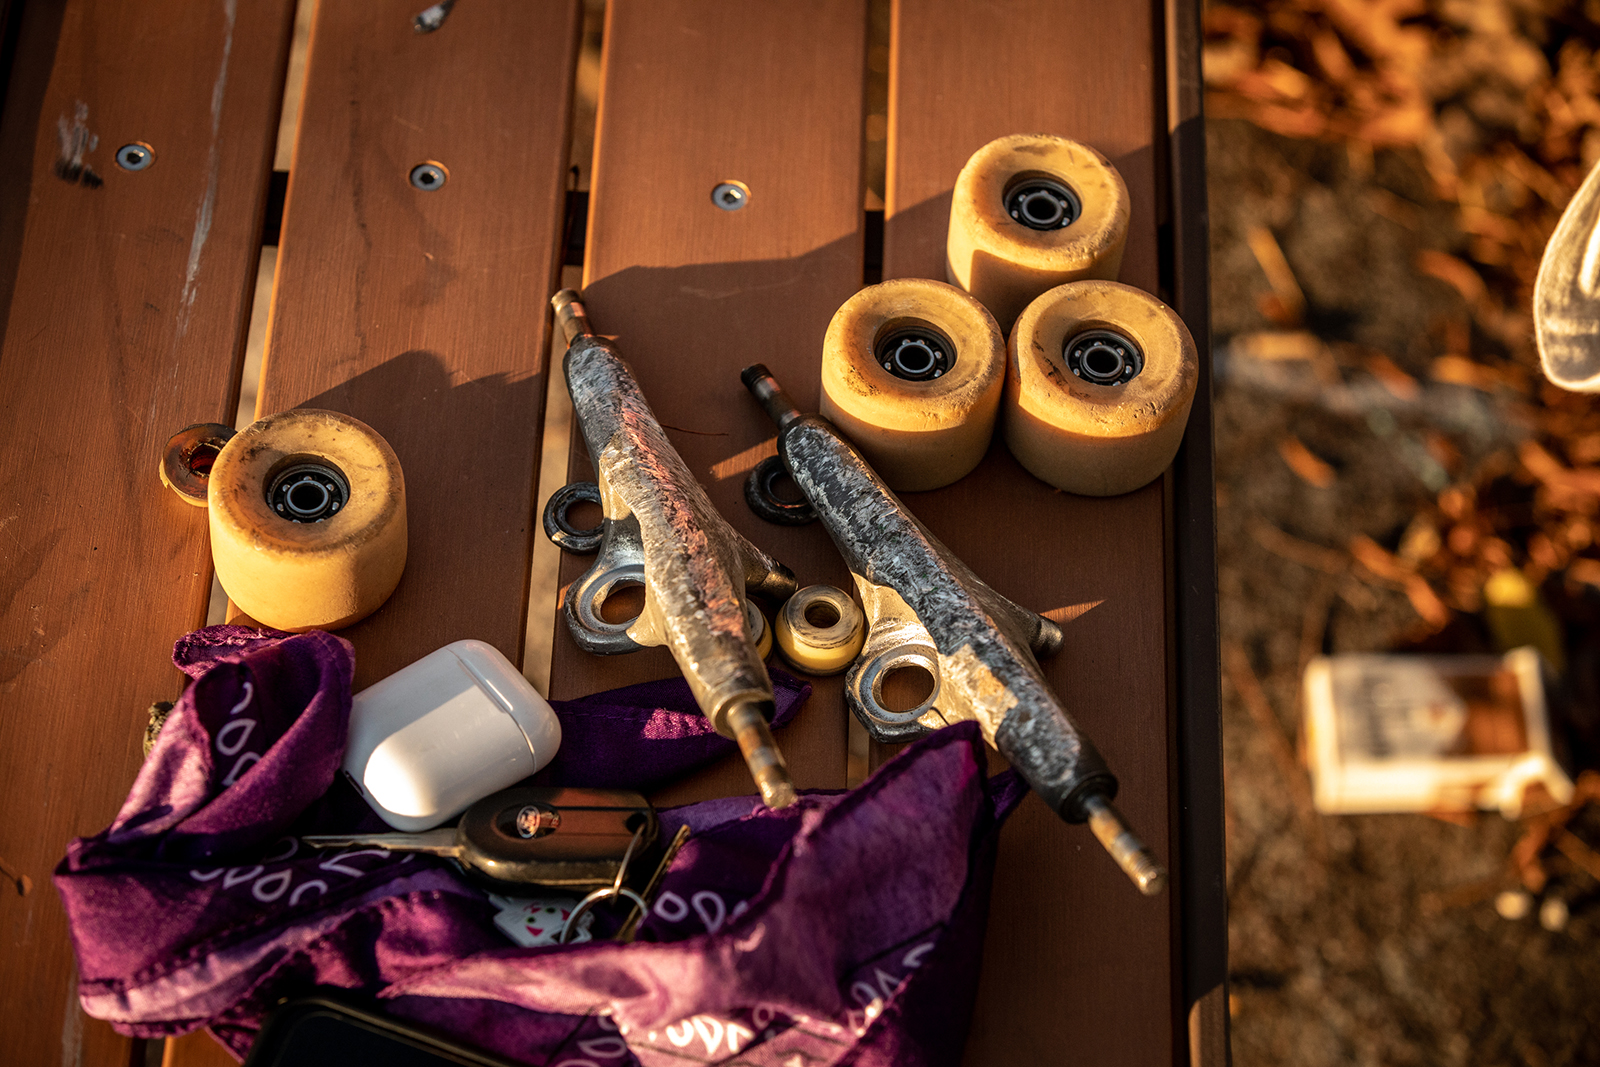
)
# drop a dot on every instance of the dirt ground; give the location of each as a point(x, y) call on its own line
point(1370, 939)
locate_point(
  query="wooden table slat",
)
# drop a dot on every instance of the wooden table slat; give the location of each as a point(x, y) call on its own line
point(1076, 962)
point(424, 313)
point(126, 297)
point(695, 93)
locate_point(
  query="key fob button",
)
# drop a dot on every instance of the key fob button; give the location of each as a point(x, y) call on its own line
point(536, 820)
point(556, 836)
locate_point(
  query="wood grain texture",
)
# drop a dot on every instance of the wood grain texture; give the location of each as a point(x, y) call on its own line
point(126, 299)
point(424, 313)
point(1076, 963)
point(695, 93)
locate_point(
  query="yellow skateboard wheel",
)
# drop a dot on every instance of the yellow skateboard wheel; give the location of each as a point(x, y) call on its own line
point(1098, 387)
point(308, 520)
point(911, 373)
point(1030, 212)
point(820, 630)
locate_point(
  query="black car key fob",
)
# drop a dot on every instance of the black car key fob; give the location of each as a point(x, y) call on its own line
point(534, 835)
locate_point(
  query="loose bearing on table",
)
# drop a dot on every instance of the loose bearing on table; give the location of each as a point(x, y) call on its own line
point(820, 630)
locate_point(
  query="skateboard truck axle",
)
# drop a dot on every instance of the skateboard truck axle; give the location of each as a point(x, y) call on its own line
point(761, 755)
point(1130, 853)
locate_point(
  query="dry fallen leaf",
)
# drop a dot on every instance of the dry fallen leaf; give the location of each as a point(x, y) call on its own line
point(1274, 345)
point(1426, 602)
point(1397, 381)
point(1300, 459)
point(1280, 276)
point(1459, 370)
point(1585, 570)
point(1380, 561)
point(1455, 272)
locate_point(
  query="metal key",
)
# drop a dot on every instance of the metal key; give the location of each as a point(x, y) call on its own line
point(530, 835)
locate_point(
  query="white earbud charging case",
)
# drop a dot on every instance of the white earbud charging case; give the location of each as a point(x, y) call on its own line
point(431, 739)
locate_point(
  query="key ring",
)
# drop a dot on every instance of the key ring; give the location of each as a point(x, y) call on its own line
point(606, 892)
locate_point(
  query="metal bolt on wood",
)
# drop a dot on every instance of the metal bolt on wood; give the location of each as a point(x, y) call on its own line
point(730, 196)
point(135, 156)
point(429, 176)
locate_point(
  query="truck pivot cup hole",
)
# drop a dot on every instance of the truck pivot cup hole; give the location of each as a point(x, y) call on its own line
point(1040, 202)
point(608, 603)
point(621, 603)
point(906, 677)
point(1103, 357)
point(308, 492)
point(915, 354)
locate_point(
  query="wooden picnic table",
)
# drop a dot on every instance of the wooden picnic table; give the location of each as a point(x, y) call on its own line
point(126, 299)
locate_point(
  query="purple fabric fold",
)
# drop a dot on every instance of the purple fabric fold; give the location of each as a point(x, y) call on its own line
point(847, 928)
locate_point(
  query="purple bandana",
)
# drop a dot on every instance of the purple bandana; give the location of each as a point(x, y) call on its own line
point(846, 929)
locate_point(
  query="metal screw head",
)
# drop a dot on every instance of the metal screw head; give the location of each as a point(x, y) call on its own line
point(429, 176)
point(135, 156)
point(538, 820)
point(730, 196)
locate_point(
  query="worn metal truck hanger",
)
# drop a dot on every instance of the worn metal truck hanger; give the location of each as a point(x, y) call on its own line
point(925, 608)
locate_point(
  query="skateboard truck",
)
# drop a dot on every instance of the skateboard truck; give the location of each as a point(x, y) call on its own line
point(660, 531)
point(926, 609)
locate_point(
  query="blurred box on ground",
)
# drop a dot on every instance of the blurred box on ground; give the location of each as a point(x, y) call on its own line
point(1429, 733)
